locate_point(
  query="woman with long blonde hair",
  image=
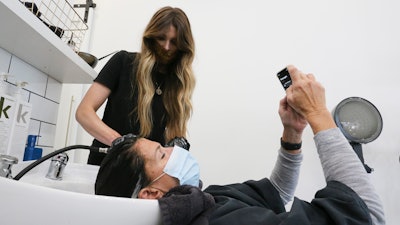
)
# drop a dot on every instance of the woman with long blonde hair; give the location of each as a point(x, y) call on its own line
point(148, 93)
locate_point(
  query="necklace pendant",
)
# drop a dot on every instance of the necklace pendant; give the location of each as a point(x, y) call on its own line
point(158, 91)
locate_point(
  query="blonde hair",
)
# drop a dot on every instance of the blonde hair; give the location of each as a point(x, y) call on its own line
point(178, 92)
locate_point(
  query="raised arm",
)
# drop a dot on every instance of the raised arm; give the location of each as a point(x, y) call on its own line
point(285, 174)
point(339, 161)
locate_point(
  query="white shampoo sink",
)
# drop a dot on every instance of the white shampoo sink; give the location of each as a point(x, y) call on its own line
point(35, 199)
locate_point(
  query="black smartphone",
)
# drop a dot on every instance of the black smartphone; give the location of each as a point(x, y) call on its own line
point(284, 78)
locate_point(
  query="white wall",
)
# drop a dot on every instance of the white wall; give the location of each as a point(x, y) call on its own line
point(43, 92)
point(352, 47)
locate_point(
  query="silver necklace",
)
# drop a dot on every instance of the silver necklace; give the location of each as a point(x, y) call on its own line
point(158, 89)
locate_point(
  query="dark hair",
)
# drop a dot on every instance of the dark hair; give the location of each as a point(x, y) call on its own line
point(163, 19)
point(121, 171)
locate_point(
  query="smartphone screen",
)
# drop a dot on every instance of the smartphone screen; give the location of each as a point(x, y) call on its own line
point(284, 78)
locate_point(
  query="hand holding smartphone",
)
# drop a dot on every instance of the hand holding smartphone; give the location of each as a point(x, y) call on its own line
point(284, 78)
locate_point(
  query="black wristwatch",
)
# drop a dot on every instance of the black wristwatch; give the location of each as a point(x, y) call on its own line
point(290, 146)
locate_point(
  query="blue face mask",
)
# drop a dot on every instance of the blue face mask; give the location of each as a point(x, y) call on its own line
point(183, 166)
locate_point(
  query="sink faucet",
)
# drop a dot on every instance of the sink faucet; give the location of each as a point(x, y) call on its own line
point(6, 162)
point(57, 165)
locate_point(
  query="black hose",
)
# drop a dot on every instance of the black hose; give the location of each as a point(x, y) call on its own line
point(44, 158)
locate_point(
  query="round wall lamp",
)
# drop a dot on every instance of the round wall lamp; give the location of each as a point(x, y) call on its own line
point(360, 122)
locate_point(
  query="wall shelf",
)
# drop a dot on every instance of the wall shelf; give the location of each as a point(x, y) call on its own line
point(25, 36)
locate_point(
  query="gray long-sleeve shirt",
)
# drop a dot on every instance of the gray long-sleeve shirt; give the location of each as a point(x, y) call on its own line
point(339, 162)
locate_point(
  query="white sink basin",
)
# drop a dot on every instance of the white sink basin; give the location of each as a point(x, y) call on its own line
point(76, 177)
point(35, 199)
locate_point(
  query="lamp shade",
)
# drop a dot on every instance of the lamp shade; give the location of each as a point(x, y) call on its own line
point(358, 119)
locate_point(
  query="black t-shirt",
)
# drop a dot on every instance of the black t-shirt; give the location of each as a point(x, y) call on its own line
point(119, 75)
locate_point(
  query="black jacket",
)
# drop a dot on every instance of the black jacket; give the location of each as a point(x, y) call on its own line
point(259, 203)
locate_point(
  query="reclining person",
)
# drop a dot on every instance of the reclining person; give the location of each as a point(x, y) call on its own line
point(145, 169)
